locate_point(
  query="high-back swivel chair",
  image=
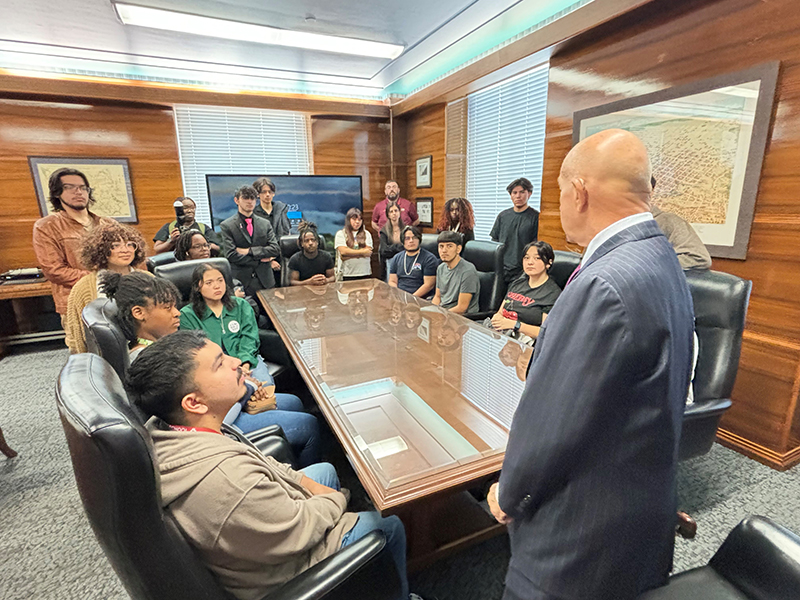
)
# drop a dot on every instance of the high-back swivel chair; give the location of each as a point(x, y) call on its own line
point(488, 260)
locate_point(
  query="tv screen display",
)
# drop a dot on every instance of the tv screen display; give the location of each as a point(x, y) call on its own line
point(323, 199)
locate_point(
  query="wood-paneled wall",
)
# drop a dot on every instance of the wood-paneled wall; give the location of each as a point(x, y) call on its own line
point(145, 136)
point(672, 42)
point(423, 132)
point(344, 146)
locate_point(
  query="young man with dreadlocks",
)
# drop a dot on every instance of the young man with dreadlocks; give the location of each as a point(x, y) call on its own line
point(312, 266)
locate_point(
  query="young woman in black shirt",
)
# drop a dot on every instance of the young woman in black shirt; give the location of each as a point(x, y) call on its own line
point(529, 297)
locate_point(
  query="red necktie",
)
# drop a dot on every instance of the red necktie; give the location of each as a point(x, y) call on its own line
point(571, 277)
point(249, 226)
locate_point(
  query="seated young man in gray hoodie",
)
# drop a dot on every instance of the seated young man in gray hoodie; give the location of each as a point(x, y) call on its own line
point(256, 523)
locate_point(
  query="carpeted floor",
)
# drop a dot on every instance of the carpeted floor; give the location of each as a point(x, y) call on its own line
point(48, 551)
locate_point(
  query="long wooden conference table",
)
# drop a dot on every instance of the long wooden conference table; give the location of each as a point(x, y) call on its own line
point(420, 399)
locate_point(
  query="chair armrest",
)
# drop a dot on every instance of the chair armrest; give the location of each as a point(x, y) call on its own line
point(702, 409)
point(269, 430)
point(761, 559)
point(278, 448)
point(480, 316)
point(364, 569)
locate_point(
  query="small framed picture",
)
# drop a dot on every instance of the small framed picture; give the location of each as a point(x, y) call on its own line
point(425, 212)
point(424, 175)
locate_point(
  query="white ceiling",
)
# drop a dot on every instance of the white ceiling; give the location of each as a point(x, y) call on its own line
point(86, 37)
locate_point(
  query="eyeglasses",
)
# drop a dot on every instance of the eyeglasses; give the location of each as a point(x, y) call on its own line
point(68, 187)
point(200, 246)
point(124, 245)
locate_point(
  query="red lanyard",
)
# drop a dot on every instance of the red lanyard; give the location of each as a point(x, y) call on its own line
point(182, 428)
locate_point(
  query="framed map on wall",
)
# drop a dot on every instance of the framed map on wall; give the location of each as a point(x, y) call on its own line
point(109, 179)
point(706, 142)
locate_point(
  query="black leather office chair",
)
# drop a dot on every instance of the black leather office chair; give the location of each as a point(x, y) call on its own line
point(488, 260)
point(564, 264)
point(289, 248)
point(115, 468)
point(162, 258)
point(180, 273)
point(720, 307)
point(759, 560)
point(104, 336)
point(430, 242)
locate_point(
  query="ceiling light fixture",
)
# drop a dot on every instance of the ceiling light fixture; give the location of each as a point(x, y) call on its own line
point(185, 23)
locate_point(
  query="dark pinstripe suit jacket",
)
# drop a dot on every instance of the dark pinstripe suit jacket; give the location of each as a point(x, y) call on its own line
point(589, 471)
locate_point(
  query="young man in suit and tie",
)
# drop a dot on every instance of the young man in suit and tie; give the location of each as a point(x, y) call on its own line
point(249, 244)
point(588, 481)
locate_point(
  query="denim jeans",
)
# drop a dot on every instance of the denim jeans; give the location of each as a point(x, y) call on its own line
point(301, 429)
point(392, 527)
point(260, 371)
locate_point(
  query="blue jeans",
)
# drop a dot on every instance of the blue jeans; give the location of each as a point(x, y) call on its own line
point(392, 527)
point(301, 429)
point(261, 372)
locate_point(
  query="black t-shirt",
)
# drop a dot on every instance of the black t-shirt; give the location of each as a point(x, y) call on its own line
point(526, 304)
point(308, 267)
point(515, 230)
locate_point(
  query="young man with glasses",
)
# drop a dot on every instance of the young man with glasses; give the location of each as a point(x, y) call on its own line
point(414, 269)
point(166, 238)
point(57, 237)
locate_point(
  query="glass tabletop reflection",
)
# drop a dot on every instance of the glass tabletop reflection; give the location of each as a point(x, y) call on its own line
point(416, 391)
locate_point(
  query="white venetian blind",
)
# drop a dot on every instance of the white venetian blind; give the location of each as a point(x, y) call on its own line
point(505, 140)
point(226, 140)
point(455, 182)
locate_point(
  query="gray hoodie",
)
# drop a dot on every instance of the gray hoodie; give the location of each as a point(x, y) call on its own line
point(254, 526)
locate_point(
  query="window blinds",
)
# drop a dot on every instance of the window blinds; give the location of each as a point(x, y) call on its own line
point(505, 140)
point(455, 182)
point(227, 140)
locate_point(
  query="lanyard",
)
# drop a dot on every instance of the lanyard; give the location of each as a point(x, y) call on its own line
point(195, 429)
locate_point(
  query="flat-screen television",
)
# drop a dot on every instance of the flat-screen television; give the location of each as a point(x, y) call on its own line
point(323, 199)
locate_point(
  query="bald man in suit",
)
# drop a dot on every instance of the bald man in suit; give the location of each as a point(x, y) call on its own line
point(588, 481)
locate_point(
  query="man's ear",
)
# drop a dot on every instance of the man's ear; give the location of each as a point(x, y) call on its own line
point(138, 313)
point(193, 403)
point(581, 195)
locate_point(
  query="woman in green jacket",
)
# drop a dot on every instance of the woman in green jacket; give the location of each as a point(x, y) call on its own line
point(230, 322)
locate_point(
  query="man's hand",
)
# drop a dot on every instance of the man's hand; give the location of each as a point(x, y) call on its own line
point(315, 488)
point(491, 499)
point(174, 234)
point(318, 279)
point(276, 266)
point(243, 251)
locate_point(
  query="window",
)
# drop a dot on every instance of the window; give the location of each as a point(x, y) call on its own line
point(226, 140)
point(455, 180)
point(505, 140)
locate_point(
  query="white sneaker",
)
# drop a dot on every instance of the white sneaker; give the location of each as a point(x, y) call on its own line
point(413, 596)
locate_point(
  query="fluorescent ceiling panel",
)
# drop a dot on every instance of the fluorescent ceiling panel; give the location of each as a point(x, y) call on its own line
point(185, 23)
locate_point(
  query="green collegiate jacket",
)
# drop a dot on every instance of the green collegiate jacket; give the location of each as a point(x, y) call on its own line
point(236, 330)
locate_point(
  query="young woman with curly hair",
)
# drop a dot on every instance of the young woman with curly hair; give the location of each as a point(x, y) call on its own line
point(110, 246)
point(457, 216)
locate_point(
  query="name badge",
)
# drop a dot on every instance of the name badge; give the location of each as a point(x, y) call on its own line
point(233, 326)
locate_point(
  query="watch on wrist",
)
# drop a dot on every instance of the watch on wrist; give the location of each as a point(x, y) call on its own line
point(517, 325)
